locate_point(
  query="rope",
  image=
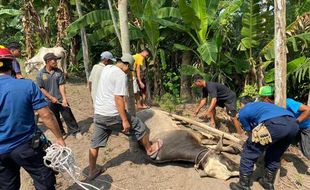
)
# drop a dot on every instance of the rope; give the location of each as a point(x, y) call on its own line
point(61, 159)
point(196, 159)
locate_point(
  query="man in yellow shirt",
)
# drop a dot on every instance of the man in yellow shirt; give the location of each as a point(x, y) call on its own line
point(138, 78)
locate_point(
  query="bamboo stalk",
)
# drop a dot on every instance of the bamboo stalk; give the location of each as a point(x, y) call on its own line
point(204, 126)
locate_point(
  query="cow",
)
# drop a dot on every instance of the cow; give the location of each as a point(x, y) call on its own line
point(37, 62)
point(183, 145)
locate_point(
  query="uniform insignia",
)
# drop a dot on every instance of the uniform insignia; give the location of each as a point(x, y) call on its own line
point(44, 77)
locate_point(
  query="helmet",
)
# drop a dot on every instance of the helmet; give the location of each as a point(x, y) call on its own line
point(5, 53)
point(266, 91)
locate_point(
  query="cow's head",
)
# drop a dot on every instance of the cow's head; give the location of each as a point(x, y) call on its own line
point(31, 66)
point(215, 164)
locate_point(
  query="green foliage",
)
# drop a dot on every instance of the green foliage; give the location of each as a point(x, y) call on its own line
point(298, 67)
point(191, 71)
point(89, 19)
point(170, 77)
point(250, 90)
point(251, 21)
point(169, 102)
point(76, 69)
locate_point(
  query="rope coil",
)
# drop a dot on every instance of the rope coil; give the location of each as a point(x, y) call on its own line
point(61, 159)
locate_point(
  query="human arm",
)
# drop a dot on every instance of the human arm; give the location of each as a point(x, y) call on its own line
point(120, 105)
point(40, 105)
point(211, 107)
point(19, 76)
point(300, 111)
point(50, 122)
point(17, 70)
point(138, 71)
point(90, 89)
point(62, 90)
point(243, 118)
point(305, 113)
point(203, 102)
point(50, 97)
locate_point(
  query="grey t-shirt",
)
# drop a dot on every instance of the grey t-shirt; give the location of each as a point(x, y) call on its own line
point(51, 82)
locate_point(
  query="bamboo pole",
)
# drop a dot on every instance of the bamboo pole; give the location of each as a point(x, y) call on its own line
point(204, 126)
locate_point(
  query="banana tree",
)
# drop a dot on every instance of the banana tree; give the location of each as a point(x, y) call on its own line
point(202, 21)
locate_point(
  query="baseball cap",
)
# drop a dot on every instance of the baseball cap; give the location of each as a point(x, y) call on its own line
point(107, 55)
point(14, 45)
point(5, 53)
point(127, 59)
point(50, 56)
point(266, 91)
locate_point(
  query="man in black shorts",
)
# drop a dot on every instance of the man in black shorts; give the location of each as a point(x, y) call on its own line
point(220, 96)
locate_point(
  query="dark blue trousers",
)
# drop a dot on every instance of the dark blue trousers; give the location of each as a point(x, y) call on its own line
point(32, 161)
point(283, 130)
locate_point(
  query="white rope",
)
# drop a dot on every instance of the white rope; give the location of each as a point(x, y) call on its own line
point(61, 159)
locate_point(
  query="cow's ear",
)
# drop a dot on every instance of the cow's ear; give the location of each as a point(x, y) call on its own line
point(219, 146)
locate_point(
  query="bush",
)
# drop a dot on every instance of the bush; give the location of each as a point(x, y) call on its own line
point(168, 102)
point(250, 90)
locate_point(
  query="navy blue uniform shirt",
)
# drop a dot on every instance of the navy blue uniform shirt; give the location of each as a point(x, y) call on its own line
point(255, 113)
point(18, 99)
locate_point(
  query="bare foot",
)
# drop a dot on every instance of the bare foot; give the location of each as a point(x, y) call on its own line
point(155, 148)
point(95, 173)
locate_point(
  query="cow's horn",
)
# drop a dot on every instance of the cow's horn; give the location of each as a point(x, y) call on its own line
point(219, 146)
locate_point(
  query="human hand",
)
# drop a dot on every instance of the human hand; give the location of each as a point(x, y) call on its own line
point(64, 103)
point(126, 127)
point(54, 100)
point(142, 85)
point(60, 141)
point(207, 114)
point(196, 113)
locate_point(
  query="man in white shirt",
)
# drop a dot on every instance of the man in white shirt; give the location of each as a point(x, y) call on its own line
point(106, 58)
point(110, 114)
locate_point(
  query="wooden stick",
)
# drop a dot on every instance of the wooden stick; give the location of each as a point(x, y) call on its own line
point(204, 126)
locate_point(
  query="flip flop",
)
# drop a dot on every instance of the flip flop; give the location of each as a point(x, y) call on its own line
point(154, 154)
point(98, 173)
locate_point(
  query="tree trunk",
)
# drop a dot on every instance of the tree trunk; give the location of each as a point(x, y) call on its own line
point(185, 92)
point(63, 21)
point(123, 20)
point(280, 52)
point(28, 29)
point(84, 42)
point(309, 98)
point(114, 22)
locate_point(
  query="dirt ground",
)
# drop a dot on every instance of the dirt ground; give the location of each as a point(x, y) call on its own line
point(133, 171)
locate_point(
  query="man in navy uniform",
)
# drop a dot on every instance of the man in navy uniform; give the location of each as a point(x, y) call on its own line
point(19, 137)
point(272, 130)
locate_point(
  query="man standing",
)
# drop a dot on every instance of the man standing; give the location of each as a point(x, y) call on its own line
point(220, 96)
point(106, 59)
point(19, 145)
point(51, 81)
point(273, 128)
point(301, 113)
point(15, 49)
point(110, 114)
point(138, 78)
